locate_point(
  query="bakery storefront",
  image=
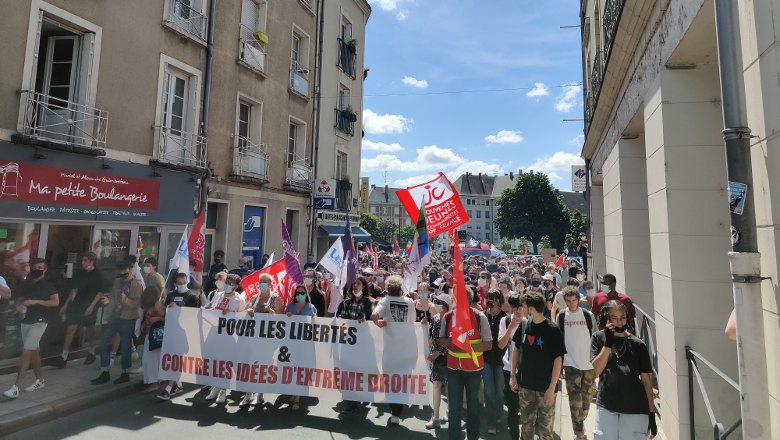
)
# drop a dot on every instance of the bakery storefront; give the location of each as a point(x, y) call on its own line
point(57, 206)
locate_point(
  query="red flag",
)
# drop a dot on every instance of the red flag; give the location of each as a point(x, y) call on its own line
point(251, 284)
point(396, 249)
point(559, 262)
point(443, 208)
point(461, 313)
point(526, 251)
point(376, 260)
point(196, 241)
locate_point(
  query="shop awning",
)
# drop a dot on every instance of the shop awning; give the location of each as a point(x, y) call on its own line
point(359, 234)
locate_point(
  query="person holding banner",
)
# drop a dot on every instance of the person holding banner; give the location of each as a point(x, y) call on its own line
point(299, 305)
point(316, 296)
point(438, 358)
point(264, 301)
point(357, 307)
point(150, 363)
point(179, 297)
point(228, 301)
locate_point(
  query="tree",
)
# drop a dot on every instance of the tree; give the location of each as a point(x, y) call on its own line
point(577, 225)
point(505, 245)
point(486, 241)
point(523, 245)
point(386, 229)
point(406, 234)
point(369, 222)
point(544, 243)
point(532, 209)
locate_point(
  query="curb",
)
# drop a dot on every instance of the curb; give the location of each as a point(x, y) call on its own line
point(53, 410)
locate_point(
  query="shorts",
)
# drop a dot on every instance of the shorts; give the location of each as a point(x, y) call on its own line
point(32, 333)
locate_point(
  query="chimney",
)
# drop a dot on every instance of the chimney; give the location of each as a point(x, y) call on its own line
point(387, 198)
point(373, 186)
point(511, 176)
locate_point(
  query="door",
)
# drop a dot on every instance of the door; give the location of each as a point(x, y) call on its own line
point(59, 85)
point(176, 147)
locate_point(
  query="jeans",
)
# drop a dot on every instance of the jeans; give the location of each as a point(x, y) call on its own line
point(615, 426)
point(493, 378)
point(456, 381)
point(125, 328)
point(512, 402)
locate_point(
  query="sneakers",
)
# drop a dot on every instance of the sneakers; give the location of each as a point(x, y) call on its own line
point(103, 378)
point(111, 362)
point(246, 399)
point(165, 395)
point(349, 408)
point(433, 424)
point(257, 399)
point(37, 385)
point(134, 356)
point(395, 420)
point(139, 370)
point(444, 418)
point(124, 377)
point(60, 363)
point(12, 392)
point(213, 394)
point(222, 397)
point(176, 390)
point(90, 359)
point(493, 431)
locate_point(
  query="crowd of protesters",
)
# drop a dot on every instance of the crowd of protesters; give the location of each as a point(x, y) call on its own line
point(535, 322)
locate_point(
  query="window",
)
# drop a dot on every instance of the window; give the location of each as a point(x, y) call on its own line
point(479, 236)
point(298, 172)
point(292, 143)
point(244, 110)
point(299, 62)
point(291, 221)
point(341, 165)
point(488, 202)
point(250, 156)
point(487, 214)
point(479, 214)
point(345, 116)
point(468, 227)
point(479, 227)
point(487, 225)
point(178, 142)
point(253, 20)
point(487, 235)
point(343, 98)
point(395, 211)
point(372, 210)
point(468, 212)
point(187, 18)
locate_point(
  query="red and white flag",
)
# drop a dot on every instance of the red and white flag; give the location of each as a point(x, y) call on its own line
point(196, 242)
point(278, 272)
point(443, 208)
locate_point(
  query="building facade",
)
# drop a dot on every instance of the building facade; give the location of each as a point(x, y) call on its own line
point(384, 203)
point(658, 191)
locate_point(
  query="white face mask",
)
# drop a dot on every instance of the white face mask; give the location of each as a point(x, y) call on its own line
point(380, 279)
point(580, 277)
point(358, 294)
point(439, 308)
point(220, 284)
point(482, 282)
point(590, 292)
point(307, 282)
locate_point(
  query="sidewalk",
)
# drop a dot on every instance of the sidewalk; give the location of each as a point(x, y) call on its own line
point(67, 390)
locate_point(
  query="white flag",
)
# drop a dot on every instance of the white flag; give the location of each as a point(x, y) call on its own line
point(270, 259)
point(333, 261)
point(413, 267)
point(181, 259)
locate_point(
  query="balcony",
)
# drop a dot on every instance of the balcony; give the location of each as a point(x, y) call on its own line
point(308, 4)
point(250, 160)
point(298, 175)
point(299, 78)
point(59, 123)
point(345, 122)
point(594, 87)
point(180, 150)
point(612, 11)
point(182, 18)
point(347, 58)
point(343, 195)
point(251, 52)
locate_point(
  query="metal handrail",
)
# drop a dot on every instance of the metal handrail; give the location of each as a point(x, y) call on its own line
point(71, 123)
point(343, 124)
point(299, 77)
point(308, 4)
point(181, 148)
point(251, 52)
point(186, 19)
point(346, 59)
point(298, 173)
point(646, 334)
point(719, 431)
point(250, 159)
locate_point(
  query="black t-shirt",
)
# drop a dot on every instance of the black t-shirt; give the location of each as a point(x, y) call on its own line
point(495, 355)
point(375, 291)
point(492, 268)
point(40, 290)
point(88, 285)
point(541, 344)
point(620, 387)
point(312, 265)
point(317, 299)
point(186, 299)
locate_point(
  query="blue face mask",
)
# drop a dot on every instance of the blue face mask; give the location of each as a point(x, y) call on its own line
point(181, 288)
point(422, 295)
point(300, 298)
point(147, 269)
point(263, 287)
point(228, 288)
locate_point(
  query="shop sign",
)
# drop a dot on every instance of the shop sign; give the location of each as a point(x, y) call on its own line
point(578, 178)
point(363, 195)
point(338, 218)
point(325, 194)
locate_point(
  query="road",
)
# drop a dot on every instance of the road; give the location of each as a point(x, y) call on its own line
point(191, 416)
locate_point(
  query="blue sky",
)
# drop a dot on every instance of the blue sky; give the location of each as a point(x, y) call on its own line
point(417, 49)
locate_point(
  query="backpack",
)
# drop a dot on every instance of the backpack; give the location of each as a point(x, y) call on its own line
point(561, 318)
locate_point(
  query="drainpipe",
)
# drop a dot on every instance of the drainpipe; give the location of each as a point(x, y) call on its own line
point(204, 125)
point(745, 260)
point(316, 115)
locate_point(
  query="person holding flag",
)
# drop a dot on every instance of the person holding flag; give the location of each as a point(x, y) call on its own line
point(466, 333)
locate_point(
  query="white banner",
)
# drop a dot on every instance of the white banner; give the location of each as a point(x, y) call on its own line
point(331, 358)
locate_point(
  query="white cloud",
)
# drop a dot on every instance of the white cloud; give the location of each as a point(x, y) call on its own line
point(568, 98)
point(578, 141)
point(553, 177)
point(505, 137)
point(412, 81)
point(539, 90)
point(428, 158)
point(386, 5)
point(401, 15)
point(383, 124)
point(559, 161)
point(415, 180)
point(381, 146)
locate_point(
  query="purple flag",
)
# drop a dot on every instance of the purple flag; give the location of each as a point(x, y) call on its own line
point(350, 256)
point(293, 267)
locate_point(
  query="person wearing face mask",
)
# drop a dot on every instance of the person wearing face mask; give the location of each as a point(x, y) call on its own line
point(151, 276)
point(34, 296)
point(228, 301)
point(506, 332)
point(196, 278)
point(81, 307)
point(624, 402)
point(492, 373)
point(358, 307)
point(608, 292)
point(536, 287)
point(484, 281)
point(588, 292)
point(299, 306)
point(334, 295)
point(438, 359)
point(316, 296)
point(264, 301)
point(216, 267)
point(505, 287)
point(422, 305)
point(219, 286)
point(121, 305)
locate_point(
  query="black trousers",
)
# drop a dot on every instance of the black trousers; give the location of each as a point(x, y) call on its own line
point(512, 402)
point(396, 408)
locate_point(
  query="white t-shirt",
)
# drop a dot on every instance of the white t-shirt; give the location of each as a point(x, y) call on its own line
point(577, 340)
point(235, 303)
point(336, 297)
point(510, 347)
point(3, 283)
point(396, 309)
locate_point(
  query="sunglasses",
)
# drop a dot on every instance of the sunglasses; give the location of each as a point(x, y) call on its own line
point(484, 277)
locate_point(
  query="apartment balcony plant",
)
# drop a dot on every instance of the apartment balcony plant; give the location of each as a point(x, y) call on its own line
point(250, 160)
point(54, 122)
point(347, 58)
point(352, 46)
point(349, 114)
point(179, 149)
point(343, 124)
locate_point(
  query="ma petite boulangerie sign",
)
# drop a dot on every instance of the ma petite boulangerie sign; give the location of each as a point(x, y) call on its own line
point(330, 358)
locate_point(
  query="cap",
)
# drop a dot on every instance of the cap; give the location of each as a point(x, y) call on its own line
point(368, 271)
point(548, 277)
point(445, 299)
point(242, 260)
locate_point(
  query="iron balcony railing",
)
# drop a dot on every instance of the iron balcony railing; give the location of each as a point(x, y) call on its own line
point(594, 87)
point(250, 159)
point(52, 119)
point(612, 12)
point(177, 147)
point(299, 78)
point(347, 58)
point(343, 195)
point(298, 173)
point(182, 17)
point(719, 432)
point(345, 122)
point(250, 51)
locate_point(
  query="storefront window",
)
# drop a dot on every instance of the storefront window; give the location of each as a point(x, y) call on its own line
point(111, 246)
point(173, 244)
point(148, 242)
